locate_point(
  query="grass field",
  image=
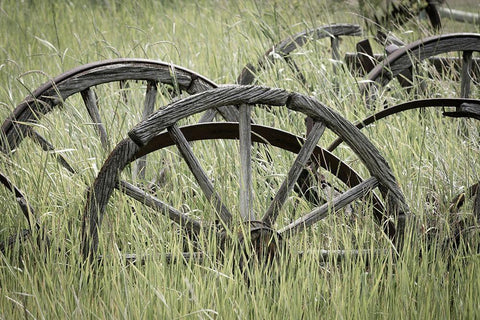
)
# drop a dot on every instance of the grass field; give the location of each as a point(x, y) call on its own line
point(433, 157)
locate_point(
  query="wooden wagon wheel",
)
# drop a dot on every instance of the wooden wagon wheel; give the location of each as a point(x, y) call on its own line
point(462, 108)
point(283, 49)
point(145, 138)
point(404, 58)
point(85, 81)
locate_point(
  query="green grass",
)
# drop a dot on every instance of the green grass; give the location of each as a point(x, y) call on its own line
point(429, 157)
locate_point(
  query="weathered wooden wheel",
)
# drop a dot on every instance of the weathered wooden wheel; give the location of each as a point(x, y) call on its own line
point(292, 43)
point(401, 61)
point(464, 107)
point(88, 85)
point(451, 107)
point(161, 129)
point(284, 49)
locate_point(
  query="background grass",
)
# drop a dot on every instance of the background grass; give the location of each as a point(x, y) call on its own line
point(431, 160)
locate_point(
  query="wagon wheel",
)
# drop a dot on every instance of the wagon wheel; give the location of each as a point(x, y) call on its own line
point(283, 49)
point(84, 82)
point(439, 103)
point(27, 211)
point(146, 136)
point(404, 58)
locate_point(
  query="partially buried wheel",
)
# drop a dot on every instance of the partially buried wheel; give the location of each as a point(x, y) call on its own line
point(256, 210)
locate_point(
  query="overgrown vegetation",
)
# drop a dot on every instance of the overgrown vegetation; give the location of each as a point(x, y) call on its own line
point(432, 158)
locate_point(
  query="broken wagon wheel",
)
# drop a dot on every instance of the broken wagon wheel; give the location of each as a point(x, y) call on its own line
point(84, 80)
point(283, 49)
point(404, 58)
point(143, 139)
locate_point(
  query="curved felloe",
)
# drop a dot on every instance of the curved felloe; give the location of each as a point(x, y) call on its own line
point(403, 58)
point(439, 103)
point(287, 46)
point(145, 133)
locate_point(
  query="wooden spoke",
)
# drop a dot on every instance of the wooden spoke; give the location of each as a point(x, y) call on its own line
point(336, 204)
point(303, 156)
point(245, 135)
point(194, 164)
point(90, 99)
point(466, 73)
point(148, 108)
point(154, 203)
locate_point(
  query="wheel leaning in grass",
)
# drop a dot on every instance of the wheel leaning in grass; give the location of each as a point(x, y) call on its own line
point(162, 125)
point(283, 50)
point(404, 58)
point(86, 81)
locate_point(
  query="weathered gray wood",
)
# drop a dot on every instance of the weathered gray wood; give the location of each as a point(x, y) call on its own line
point(229, 113)
point(148, 108)
point(200, 175)
point(466, 74)
point(229, 95)
point(90, 99)
point(336, 204)
point(245, 136)
point(127, 150)
point(303, 156)
point(420, 50)
point(159, 206)
point(51, 94)
point(226, 95)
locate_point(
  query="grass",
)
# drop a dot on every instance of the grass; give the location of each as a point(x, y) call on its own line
point(431, 160)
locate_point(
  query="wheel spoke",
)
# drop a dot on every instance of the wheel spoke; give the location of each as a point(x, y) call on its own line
point(154, 203)
point(148, 108)
point(334, 43)
point(90, 99)
point(245, 137)
point(200, 175)
point(47, 146)
point(337, 203)
point(466, 73)
point(292, 177)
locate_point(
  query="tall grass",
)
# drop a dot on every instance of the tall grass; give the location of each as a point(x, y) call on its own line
point(431, 160)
